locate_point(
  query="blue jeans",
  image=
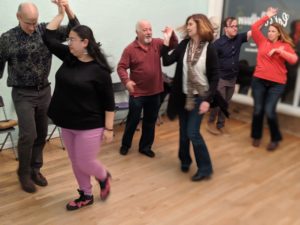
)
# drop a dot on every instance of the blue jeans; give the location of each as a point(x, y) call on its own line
point(150, 107)
point(266, 95)
point(189, 122)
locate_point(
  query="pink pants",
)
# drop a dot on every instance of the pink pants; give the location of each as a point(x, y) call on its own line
point(83, 147)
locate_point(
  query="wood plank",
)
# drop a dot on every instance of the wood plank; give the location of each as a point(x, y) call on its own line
point(249, 185)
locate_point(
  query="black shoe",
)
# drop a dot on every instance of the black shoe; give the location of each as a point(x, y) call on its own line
point(39, 179)
point(256, 142)
point(148, 153)
point(199, 176)
point(185, 168)
point(124, 150)
point(272, 146)
point(27, 184)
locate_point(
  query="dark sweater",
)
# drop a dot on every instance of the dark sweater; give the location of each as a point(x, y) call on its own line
point(177, 97)
point(83, 90)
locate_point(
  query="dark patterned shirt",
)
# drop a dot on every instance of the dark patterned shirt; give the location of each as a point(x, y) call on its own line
point(28, 58)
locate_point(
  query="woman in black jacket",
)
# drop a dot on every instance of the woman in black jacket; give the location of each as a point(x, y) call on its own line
point(194, 87)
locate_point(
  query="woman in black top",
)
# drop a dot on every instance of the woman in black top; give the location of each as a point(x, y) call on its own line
point(194, 86)
point(82, 105)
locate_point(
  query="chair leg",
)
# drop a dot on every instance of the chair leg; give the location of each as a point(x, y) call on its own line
point(61, 140)
point(123, 121)
point(59, 132)
point(48, 139)
point(14, 147)
point(3, 143)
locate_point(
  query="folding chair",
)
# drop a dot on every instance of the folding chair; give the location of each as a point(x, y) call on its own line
point(8, 126)
point(121, 92)
point(50, 122)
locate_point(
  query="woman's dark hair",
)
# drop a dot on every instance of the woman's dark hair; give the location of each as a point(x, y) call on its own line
point(93, 48)
point(228, 20)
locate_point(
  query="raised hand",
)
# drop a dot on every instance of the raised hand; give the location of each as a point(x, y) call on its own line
point(167, 32)
point(63, 2)
point(271, 11)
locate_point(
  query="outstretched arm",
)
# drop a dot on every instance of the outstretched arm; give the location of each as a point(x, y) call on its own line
point(56, 21)
point(68, 9)
point(52, 37)
point(257, 35)
point(167, 32)
point(63, 31)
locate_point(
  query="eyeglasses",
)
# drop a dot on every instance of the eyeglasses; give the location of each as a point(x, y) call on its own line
point(233, 26)
point(71, 40)
point(29, 23)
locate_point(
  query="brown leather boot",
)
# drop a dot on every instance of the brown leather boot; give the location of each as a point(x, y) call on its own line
point(27, 184)
point(39, 179)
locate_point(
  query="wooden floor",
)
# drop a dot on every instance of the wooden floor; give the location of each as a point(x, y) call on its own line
point(250, 186)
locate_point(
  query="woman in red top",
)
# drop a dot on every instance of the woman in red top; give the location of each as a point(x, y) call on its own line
point(270, 76)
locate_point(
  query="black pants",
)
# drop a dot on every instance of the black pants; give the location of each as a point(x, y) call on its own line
point(31, 108)
point(150, 107)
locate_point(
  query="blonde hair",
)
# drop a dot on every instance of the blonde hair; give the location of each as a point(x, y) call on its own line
point(283, 35)
point(205, 29)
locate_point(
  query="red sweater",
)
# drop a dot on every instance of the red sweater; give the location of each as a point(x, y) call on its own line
point(144, 66)
point(269, 67)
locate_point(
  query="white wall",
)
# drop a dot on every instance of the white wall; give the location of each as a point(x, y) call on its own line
point(113, 23)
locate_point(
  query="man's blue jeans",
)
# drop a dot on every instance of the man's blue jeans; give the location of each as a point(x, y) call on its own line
point(189, 122)
point(266, 95)
point(150, 106)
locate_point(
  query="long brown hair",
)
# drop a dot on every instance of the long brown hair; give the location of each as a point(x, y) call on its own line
point(205, 29)
point(283, 35)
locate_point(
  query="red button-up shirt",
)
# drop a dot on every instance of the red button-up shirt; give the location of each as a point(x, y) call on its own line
point(144, 66)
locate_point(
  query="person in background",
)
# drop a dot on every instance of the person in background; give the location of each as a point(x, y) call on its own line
point(144, 84)
point(270, 77)
point(215, 22)
point(82, 105)
point(29, 63)
point(197, 62)
point(245, 76)
point(167, 88)
point(228, 48)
